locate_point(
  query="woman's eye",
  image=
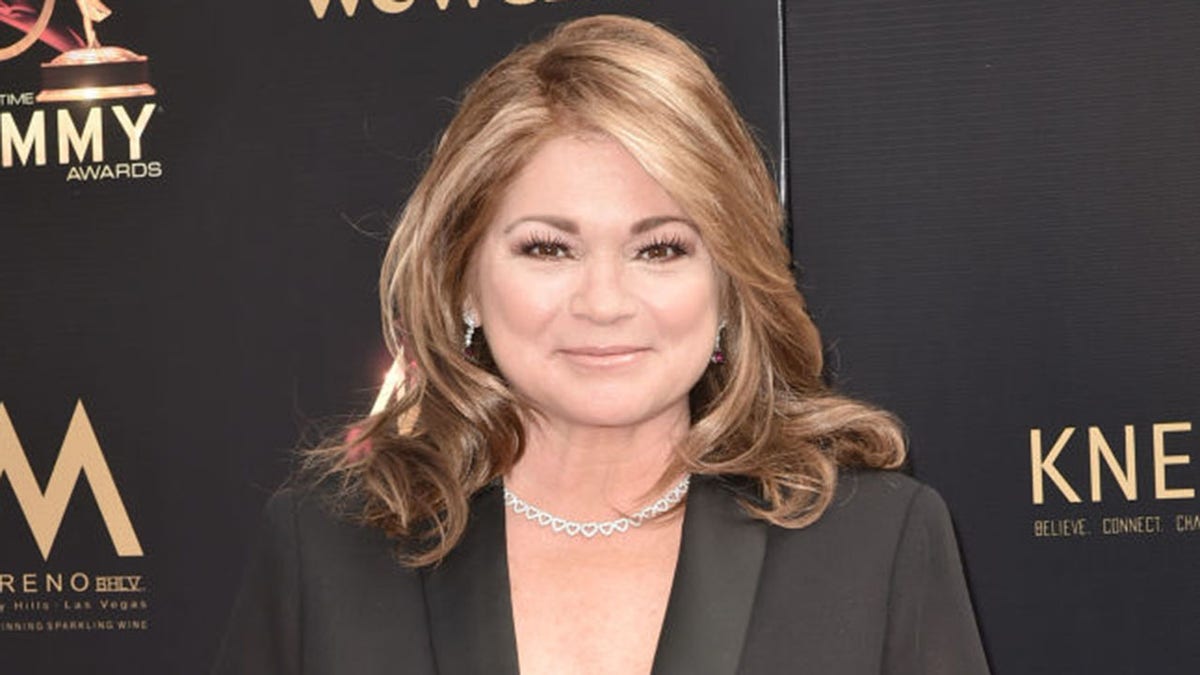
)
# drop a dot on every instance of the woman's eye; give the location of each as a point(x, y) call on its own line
point(662, 251)
point(546, 249)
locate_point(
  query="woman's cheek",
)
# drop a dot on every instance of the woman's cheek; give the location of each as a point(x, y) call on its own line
point(524, 300)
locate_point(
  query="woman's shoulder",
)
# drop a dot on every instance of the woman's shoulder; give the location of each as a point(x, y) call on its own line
point(874, 494)
point(860, 497)
point(292, 509)
point(308, 541)
point(874, 510)
point(315, 524)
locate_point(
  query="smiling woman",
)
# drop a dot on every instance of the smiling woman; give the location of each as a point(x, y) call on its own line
point(613, 451)
point(597, 295)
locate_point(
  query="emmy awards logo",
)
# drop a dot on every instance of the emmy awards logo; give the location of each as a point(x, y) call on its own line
point(95, 71)
point(86, 70)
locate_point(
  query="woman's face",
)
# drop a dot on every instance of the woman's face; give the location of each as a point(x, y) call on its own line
point(597, 296)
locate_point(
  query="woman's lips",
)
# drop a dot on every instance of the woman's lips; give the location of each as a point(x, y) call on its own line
point(604, 357)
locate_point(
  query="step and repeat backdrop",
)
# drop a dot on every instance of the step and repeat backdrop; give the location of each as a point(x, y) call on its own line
point(191, 227)
point(994, 213)
point(996, 209)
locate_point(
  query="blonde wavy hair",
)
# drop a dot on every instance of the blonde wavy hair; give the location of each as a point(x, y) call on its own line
point(454, 426)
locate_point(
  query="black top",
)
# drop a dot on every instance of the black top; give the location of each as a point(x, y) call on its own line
point(873, 587)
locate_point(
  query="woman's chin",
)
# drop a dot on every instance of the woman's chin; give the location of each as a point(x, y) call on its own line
point(612, 413)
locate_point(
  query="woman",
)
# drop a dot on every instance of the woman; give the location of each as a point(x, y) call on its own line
point(613, 452)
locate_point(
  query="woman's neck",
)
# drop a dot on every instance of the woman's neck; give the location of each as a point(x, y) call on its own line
point(595, 473)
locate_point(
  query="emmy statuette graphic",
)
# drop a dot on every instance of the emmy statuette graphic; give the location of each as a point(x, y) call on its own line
point(95, 71)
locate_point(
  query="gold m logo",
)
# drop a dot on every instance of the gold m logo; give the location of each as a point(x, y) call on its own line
point(80, 453)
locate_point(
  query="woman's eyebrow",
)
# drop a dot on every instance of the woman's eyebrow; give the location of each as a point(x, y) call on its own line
point(565, 224)
point(570, 227)
point(647, 224)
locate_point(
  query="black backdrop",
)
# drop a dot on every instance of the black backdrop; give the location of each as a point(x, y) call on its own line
point(995, 210)
point(993, 206)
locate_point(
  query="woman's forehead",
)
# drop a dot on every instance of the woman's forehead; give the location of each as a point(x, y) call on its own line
point(577, 180)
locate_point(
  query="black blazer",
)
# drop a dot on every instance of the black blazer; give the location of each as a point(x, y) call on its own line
point(873, 587)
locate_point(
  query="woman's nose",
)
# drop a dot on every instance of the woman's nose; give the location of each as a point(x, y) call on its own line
point(602, 295)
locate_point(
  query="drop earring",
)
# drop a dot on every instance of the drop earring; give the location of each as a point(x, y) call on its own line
point(469, 336)
point(718, 356)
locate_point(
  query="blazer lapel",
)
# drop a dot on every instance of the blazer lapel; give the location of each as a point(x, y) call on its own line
point(715, 582)
point(712, 594)
point(467, 597)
